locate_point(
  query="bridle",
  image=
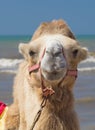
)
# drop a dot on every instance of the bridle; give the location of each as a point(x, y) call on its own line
point(49, 91)
point(45, 90)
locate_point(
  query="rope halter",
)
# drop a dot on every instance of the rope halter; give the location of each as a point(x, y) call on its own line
point(49, 91)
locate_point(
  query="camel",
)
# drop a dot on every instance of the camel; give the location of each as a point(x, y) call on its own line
point(43, 88)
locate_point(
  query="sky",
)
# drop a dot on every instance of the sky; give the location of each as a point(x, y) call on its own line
point(22, 17)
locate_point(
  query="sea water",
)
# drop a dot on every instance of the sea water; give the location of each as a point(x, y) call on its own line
point(84, 89)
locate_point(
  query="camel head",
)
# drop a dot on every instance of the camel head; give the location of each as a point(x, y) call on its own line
point(55, 55)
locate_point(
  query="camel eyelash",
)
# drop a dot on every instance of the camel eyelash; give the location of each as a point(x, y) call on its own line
point(32, 53)
point(75, 52)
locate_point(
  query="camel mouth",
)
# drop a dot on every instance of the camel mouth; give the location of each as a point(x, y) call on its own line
point(55, 75)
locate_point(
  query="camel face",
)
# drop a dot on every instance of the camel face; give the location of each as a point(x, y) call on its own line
point(56, 54)
point(53, 64)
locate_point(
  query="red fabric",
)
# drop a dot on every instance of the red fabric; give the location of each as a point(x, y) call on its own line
point(2, 107)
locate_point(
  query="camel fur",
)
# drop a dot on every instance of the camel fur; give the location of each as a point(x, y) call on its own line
point(59, 113)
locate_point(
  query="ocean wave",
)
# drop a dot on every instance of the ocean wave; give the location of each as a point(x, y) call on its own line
point(87, 65)
point(11, 65)
point(85, 99)
point(8, 71)
point(7, 63)
point(14, 71)
point(90, 59)
point(86, 69)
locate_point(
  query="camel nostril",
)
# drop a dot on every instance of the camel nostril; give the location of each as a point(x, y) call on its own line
point(57, 53)
point(54, 72)
point(58, 68)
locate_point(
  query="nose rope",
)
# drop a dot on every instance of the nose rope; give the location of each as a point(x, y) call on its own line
point(49, 91)
point(36, 66)
point(46, 91)
point(69, 72)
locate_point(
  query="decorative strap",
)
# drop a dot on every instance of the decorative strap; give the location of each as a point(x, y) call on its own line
point(48, 92)
point(43, 104)
point(36, 66)
point(72, 73)
point(33, 68)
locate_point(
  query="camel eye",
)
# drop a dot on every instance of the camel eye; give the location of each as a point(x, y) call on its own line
point(75, 52)
point(32, 53)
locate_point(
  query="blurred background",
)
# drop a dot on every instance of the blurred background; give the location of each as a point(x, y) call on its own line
point(18, 21)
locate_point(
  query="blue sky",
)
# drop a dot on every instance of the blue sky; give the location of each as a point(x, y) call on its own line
point(24, 16)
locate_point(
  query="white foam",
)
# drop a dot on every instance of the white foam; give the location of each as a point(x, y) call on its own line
point(87, 65)
point(86, 69)
point(7, 63)
point(90, 59)
point(8, 71)
point(11, 65)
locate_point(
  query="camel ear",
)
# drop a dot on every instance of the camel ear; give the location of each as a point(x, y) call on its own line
point(23, 49)
point(83, 53)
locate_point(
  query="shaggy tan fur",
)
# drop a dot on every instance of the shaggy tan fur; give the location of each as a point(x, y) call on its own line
point(53, 27)
point(58, 113)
